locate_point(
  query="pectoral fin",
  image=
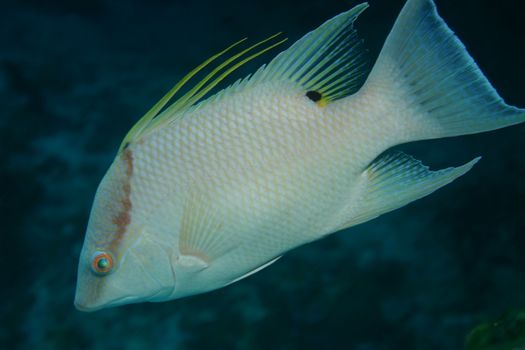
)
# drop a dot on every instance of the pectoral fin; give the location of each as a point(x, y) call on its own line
point(392, 182)
point(202, 237)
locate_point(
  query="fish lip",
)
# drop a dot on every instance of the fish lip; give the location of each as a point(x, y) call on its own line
point(116, 302)
point(161, 295)
point(84, 308)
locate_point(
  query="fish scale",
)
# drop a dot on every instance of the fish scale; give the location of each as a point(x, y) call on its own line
point(206, 191)
point(269, 191)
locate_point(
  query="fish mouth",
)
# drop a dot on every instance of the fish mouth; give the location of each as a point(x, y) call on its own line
point(88, 307)
point(85, 306)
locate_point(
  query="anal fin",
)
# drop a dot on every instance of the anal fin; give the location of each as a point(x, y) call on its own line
point(392, 182)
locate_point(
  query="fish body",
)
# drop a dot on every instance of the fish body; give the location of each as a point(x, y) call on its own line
point(208, 192)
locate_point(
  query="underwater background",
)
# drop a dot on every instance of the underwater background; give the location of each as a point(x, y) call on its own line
point(75, 76)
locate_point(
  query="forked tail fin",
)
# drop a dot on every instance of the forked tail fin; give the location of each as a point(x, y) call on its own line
point(428, 79)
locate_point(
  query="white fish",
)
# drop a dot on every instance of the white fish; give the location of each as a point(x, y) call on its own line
point(207, 192)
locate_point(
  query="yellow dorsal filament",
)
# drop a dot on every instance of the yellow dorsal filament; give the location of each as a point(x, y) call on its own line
point(154, 118)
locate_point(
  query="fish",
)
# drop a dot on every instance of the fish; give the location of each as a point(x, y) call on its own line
point(207, 189)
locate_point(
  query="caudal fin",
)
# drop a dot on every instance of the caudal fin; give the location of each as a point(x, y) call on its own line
point(432, 83)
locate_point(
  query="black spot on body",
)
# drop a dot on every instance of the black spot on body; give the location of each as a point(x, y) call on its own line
point(314, 95)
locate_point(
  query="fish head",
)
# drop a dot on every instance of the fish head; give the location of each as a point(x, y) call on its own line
point(120, 261)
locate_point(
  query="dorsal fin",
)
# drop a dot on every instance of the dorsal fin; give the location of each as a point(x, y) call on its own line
point(154, 118)
point(329, 62)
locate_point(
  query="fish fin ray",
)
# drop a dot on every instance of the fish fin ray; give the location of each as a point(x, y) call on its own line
point(433, 80)
point(257, 269)
point(394, 181)
point(156, 117)
point(201, 232)
point(330, 60)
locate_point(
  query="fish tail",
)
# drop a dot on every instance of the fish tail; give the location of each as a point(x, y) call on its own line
point(426, 76)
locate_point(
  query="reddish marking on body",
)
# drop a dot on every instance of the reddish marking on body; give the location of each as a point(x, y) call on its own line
point(123, 218)
point(128, 158)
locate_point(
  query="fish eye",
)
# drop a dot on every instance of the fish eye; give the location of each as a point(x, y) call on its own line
point(101, 263)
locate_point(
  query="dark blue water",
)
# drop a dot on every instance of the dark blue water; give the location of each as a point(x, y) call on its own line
point(74, 76)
